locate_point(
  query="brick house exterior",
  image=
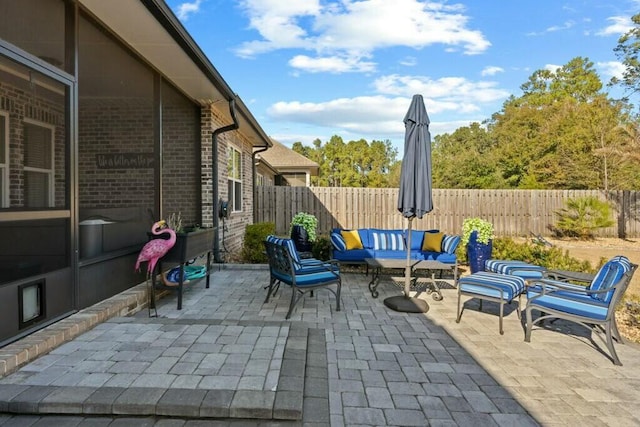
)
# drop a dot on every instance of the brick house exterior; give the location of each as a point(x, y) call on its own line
point(110, 119)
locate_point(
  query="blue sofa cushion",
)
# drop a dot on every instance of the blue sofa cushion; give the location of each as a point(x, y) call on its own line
point(439, 256)
point(354, 255)
point(416, 239)
point(388, 240)
point(392, 254)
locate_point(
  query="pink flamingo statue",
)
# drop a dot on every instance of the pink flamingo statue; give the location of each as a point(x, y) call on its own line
point(151, 252)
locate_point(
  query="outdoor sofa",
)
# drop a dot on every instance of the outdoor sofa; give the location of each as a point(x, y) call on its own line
point(353, 246)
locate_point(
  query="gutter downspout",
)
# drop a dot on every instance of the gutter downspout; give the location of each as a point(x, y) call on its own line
point(214, 176)
point(253, 174)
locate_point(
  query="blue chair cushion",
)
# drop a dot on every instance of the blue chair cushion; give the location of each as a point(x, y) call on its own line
point(476, 283)
point(443, 257)
point(354, 255)
point(572, 303)
point(608, 275)
point(307, 279)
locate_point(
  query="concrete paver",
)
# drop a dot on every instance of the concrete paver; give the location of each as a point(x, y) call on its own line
point(228, 355)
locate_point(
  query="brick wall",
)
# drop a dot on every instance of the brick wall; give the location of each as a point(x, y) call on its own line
point(232, 229)
point(114, 127)
point(181, 157)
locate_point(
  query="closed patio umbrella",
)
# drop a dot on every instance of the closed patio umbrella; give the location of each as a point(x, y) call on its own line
point(414, 198)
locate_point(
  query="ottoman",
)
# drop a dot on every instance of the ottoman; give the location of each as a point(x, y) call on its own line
point(485, 285)
point(515, 268)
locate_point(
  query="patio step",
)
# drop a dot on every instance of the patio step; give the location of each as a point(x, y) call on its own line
point(303, 347)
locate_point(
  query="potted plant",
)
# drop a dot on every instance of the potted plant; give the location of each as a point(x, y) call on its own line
point(303, 231)
point(477, 237)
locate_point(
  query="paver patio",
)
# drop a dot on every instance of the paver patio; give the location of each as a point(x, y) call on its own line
point(228, 355)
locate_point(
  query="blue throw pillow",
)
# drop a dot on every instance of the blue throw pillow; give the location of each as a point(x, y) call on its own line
point(338, 241)
point(450, 243)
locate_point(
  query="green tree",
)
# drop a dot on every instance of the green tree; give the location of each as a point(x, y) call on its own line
point(354, 164)
point(627, 51)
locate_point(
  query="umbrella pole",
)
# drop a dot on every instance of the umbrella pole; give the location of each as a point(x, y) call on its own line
point(407, 268)
point(405, 303)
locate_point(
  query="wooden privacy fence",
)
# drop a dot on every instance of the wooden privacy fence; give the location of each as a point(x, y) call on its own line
point(512, 212)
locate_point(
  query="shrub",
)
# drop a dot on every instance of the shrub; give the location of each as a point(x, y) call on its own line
point(321, 248)
point(582, 217)
point(254, 235)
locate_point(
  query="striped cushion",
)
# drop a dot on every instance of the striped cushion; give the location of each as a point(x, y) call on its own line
point(288, 243)
point(307, 279)
point(514, 267)
point(609, 275)
point(388, 240)
point(338, 241)
point(572, 303)
point(476, 283)
point(450, 243)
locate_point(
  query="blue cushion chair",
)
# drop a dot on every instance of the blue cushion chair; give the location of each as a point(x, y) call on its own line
point(286, 267)
point(592, 306)
point(495, 287)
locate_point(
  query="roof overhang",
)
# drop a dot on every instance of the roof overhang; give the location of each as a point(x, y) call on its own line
point(151, 29)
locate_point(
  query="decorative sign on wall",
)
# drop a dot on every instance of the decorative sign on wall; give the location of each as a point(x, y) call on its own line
point(125, 160)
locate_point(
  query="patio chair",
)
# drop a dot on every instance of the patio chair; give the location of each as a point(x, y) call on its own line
point(285, 267)
point(592, 306)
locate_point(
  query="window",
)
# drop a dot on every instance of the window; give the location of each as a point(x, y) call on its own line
point(38, 165)
point(4, 160)
point(234, 171)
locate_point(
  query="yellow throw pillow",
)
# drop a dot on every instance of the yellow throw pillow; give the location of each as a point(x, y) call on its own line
point(432, 242)
point(352, 239)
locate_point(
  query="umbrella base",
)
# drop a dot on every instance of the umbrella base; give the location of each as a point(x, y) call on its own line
point(406, 305)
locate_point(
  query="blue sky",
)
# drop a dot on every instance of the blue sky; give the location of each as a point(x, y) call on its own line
point(311, 69)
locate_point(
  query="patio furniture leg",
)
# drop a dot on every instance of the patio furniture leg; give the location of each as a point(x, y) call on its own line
point(612, 350)
point(460, 308)
point(501, 316)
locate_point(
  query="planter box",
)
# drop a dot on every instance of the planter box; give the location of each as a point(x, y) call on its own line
point(188, 246)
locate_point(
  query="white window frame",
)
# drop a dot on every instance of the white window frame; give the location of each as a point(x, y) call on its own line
point(49, 172)
point(232, 178)
point(4, 162)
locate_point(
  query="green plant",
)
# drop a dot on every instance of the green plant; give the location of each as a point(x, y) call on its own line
point(308, 221)
point(174, 222)
point(482, 227)
point(582, 217)
point(254, 235)
point(322, 247)
point(552, 258)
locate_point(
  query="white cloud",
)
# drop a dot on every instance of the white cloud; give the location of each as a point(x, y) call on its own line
point(554, 28)
point(491, 71)
point(619, 25)
point(331, 64)
point(185, 9)
point(457, 90)
point(552, 67)
point(611, 68)
point(409, 61)
point(355, 29)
